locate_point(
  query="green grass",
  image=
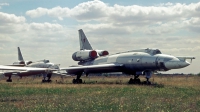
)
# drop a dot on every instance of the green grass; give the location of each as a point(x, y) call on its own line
point(170, 94)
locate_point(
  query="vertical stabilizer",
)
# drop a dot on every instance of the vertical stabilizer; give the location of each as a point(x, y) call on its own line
point(20, 57)
point(84, 43)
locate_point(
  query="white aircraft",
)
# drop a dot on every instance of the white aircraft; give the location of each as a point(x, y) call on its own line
point(134, 62)
point(22, 71)
point(30, 68)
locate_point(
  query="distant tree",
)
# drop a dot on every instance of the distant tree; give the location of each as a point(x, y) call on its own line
point(198, 74)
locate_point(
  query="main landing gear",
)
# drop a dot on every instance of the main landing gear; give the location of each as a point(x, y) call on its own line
point(9, 79)
point(147, 82)
point(136, 79)
point(77, 80)
point(148, 75)
point(48, 76)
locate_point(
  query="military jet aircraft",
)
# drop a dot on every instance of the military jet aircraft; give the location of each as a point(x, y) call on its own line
point(22, 71)
point(133, 62)
point(30, 68)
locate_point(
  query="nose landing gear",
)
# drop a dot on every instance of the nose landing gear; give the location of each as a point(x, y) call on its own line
point(48, 76)
point(148, 75)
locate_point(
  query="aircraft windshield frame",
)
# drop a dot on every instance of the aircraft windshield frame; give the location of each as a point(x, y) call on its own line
point(154, 52)
point(158, 51)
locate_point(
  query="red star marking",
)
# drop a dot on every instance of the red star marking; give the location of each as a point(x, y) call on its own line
point(84, 40)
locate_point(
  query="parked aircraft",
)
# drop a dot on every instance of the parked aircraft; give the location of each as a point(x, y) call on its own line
point(22, 71)
point(133, 62)
point(27, 66)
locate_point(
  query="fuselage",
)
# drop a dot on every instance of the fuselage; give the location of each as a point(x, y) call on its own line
point(140, 61)
point(39, 64)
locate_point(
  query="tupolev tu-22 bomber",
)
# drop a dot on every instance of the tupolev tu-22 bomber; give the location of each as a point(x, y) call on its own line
point(133, 62)
point(28, 68)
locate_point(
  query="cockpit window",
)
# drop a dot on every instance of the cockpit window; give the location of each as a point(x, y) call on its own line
point(158, 52)
point(46, 61)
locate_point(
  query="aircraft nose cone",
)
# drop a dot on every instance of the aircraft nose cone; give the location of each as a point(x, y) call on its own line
point(183, 64)
point(176, 64)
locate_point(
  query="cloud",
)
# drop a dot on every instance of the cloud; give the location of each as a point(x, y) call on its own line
point(5, 38)
point(11, 23)
point(192, 24)
point(170, 16)
point(11, 18)
point(37, 12)
point(107, 29)
point(57, 12)
point(4, 4)
point(45, 26)
point(93, 10)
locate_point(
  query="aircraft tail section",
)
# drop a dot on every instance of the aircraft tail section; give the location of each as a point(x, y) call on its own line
point(20, 57)
point(84, 43)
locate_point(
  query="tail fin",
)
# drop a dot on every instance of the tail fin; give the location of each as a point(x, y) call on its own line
point(84, 43)
point(20, 57)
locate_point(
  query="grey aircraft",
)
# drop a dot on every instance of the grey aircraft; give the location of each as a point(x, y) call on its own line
point(30, 68)
point(133, 62)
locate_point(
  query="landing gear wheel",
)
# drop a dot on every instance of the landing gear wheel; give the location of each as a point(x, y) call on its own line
point(77, 81)
point(80, 81)
point(147, 82)
point(74, 81)
point(137, 81)
point(9, 80)
point(48, 80)
point(134, 81)
point(130, 81)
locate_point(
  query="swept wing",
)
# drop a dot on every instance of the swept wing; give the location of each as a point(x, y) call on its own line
point(103, 68)
point(22, 68)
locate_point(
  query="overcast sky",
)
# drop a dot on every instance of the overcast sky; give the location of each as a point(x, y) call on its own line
point(48, 29)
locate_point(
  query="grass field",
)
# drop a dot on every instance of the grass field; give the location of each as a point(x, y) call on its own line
point(177, 93)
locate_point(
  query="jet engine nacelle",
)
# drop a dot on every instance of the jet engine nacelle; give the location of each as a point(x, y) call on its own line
point(84, 55)
point(102, 52)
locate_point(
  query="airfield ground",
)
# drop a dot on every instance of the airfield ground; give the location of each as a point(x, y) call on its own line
point(169, 93)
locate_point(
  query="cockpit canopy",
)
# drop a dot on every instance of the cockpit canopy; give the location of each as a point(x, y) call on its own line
point(147, 50)
point(154, 51)
point(45, 61)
